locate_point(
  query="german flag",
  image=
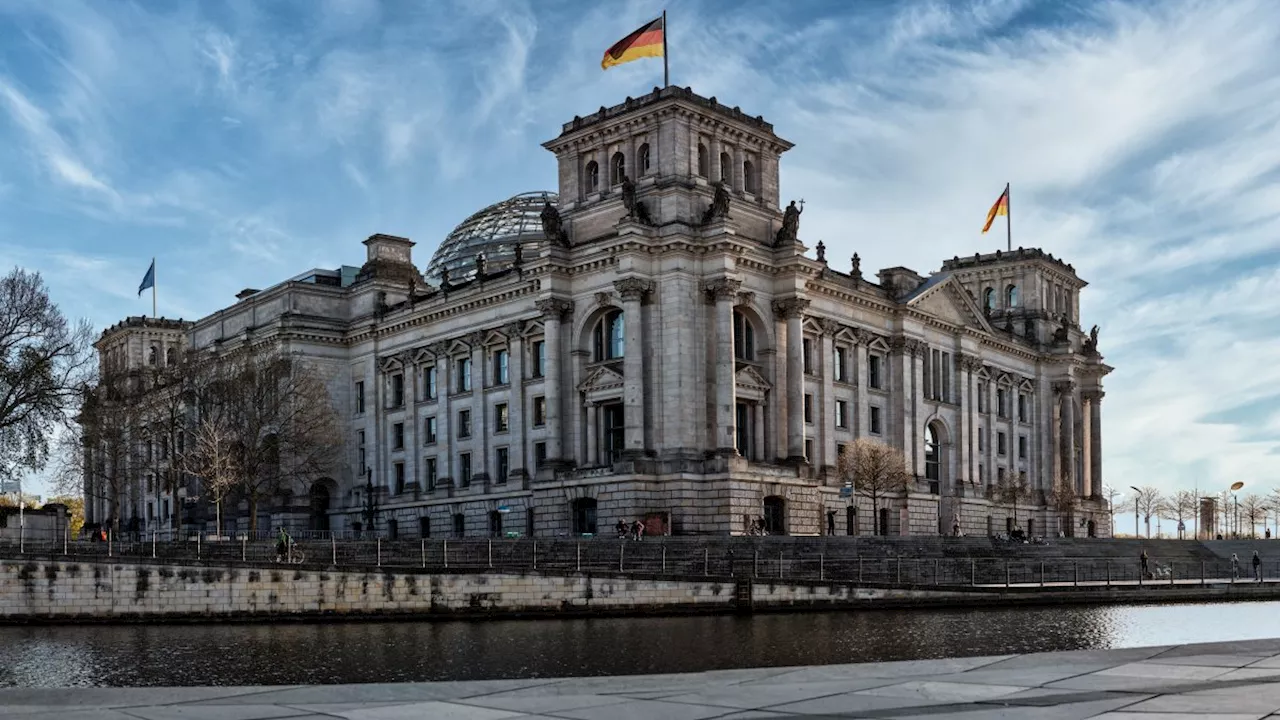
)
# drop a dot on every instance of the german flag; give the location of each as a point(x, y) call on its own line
point(648, 41)
point(1000, 208)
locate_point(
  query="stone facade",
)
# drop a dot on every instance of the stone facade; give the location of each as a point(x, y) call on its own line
point(673, 353)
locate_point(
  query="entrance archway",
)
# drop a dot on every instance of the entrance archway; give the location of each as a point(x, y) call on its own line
point(319, 497)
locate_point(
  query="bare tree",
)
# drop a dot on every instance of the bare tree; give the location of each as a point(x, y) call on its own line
point(1182, 505)
point(875, 471)
point(1011, 490)
point(44, 362)
point(1253, 508)
point(1064, 500)
point(213, 456)
point(1147, 502)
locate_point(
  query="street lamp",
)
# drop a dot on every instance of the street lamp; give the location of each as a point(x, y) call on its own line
point(1235, 487)
point(1137, 531)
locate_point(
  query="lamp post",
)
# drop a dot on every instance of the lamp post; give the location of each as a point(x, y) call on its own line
point(1137, 501)
point(1236, 487)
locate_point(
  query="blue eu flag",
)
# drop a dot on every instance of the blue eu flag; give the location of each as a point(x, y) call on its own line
point(148, 280)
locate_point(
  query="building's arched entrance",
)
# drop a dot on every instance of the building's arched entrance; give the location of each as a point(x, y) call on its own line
point(775, 515)
point(319, 501)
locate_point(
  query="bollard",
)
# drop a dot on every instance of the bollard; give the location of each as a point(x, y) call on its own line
point(935, 572)
point(859, 569)
point(491, 554)
point(333, 550)
point(446, 554)
point(424, 552)
point(535, 554)
point(65, 538)
point(1108, 573)
point(898, 571)
point(821, 567)
point(1075, 572)
point(779, 564)
point(973, 571)
point(579, 553)
point(153, 543)
point(379, 542)
point(1202, 573)
point(664, 558)
point(622, 549)
point(1172, 572)
point(755, 563)
point(706, 561)
point(244, 548)
point(197, 546)
point(1006, 573)
point(1041, 573)
point(22, 534)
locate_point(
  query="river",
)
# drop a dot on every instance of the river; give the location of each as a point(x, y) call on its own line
point(356, 652)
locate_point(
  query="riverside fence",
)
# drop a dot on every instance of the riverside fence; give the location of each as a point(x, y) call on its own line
point(761, 559)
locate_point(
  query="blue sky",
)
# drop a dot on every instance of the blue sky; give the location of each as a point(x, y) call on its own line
point(243, 142)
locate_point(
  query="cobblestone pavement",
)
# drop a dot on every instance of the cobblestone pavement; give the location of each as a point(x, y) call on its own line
point(1221, 681)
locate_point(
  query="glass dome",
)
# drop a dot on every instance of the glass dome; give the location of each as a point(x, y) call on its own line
point(494, 231)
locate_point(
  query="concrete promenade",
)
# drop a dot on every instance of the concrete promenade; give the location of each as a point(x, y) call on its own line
point(1222, 681)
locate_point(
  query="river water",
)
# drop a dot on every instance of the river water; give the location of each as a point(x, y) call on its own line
point(317, 653)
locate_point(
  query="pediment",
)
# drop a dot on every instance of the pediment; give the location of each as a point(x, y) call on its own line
point(947, 301)
point(750, 378)
point(602, 378)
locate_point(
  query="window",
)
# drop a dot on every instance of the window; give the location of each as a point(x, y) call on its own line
point(840, 361)
point(703, 169)
point(1022, 407)
point(397, 390)
point(460, 522)
point(502, 465)
point(1000, 443)
point(749, 176)
point(495, 524)
point(842, 414)
point(609, 338)
point(982, 475)
point(989, 299)
point(807, 351)
point(464, 423)
point(464, 374)
point(808, 451)
point(932, 453)
point(399, 477)
point(464, 469)
point(744, 430)
point(397, 436)
point(424, 527)
point(744, 337)
point(982, 397)
point(583, 511)
point(360, 463)
point(1022, 447)
point(501, 367)
point(393, 529)
point(808, 409)
point(429, 430)
point(539, 454)
point(642, 159)
point(165, 504)
point(500, 420)
point(874, 376)
point(613, 435)
point(875, 420)
point(617, 168)
point(593, 177)
point(982, 438)
point(151, 514)
point(1000, 476)
point(170, 357)
point(164, 448)
point(539, 358)
point(539, 411)
point(360, 397)
point(1011, 296)
point(840, 448)
point(1002, 402)
point(153, 356)
point(429, 472)
point(429, 383)
point(726, 169)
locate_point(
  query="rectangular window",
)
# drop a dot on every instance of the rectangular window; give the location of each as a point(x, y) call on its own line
point(1002, 402)
point(930, 362)
point(539, 353)
point(397, 390)
point(459, 525)
point(150, 512)
point(1022, 407)
point(429, 472)
point(1000, 443)
point(982, 475)
point(501, 367)
point(1022, 447)
point(539, 454)
point(464, 375)
point(360, 397)
point(360, 463)
point(399, 478)
point(841, 365)
point(424, 527)
point(165, 505)
point(946, 377)
point(502, 466)
point(429, 383)
point(464, 423)
point(808, 450)
point(842, 414)
point(874, 374)
point(429, 431)
point(982, 436)
point(808, 409)
point(397, 436)
point(875, 420)
point(807, 348)
point(840, 449)
point(1000, 475)
point(539, 411)
point(500, 421)
point(464, 469)
point(982, 397)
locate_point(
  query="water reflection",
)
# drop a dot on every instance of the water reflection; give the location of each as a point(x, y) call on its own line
point(289, 653)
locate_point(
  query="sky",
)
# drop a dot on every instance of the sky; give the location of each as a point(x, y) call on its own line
point(240, 143)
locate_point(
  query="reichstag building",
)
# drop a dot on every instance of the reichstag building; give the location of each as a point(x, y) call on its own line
point(653, 341)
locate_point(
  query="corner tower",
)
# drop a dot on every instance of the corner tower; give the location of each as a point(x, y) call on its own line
point(674, 145)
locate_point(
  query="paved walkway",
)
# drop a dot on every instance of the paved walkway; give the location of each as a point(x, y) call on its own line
point(1221, 681)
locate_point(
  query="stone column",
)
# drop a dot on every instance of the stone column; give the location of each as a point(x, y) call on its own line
point(518, 447)
point(792, 310)
point(479, 412)
point(722, 292)
point(862, 382)
point(825, 420)
point(713, 161)
point(1067, 432)
point(633, 290)
point(593, 452)
point(605, 176)
point(412, 456)
point(1086, 443)
point(444, 421)
point(553, 311)
point(630, 166)
point(968, 417)
point(739, 183)
point(1094, 437)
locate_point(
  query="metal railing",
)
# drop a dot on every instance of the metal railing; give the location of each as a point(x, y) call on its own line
point(759, 559)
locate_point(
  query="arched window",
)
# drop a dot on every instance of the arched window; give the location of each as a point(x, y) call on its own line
point(744, 337)
point(609, 338)
point(617, 168)
point(593, 177)
point(584, 516)
point(932, 453)
point(749, 176)
point(1011, 296)
point(726, 169)
point(704, 169)
point(642, 160)
point(989, 299)
point(153, 356)
point(170, 357)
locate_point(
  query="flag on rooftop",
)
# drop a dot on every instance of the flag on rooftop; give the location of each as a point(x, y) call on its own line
point(648, 41)
point(1000, 208)
point(148, 280)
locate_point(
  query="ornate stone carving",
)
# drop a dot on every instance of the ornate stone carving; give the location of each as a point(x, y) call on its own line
point(790, 307)
point(633, 288)
point(553, 226)
point(822, 252)
point(829, 326)
point(861, 336)
point(856, 270)
point(440, 348)
point(1062, 335)
point(746, 298)
point(972, 363)
point(1093, 395)
point(513, 329)
point(481, 264)
point(1064, 387)
point(475, 339)
point(790, 229)
point(554, 307)
point(1091, 342)
point(909, 346)
point(636, 210)
point(719, 209)
point(721, 289)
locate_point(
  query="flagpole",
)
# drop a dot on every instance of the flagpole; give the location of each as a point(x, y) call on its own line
point(1008, 217)
point(666, 72)
point(153, 288)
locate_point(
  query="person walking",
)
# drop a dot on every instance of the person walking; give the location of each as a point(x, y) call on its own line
point(1235, 567)
point(282, 544)
point(1257, 566)
point(1145, 563)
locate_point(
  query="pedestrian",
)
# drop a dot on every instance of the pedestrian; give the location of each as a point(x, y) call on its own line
point(1257, 566)
point(1235, 567)
point(282, 544)
point(638, 529)
point(1145, 563)
point(621, 528)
